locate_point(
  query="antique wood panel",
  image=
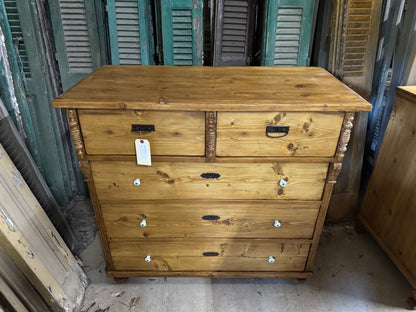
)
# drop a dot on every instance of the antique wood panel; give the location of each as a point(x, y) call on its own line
point(309, 134)
point(212, 88)
point(187, 255)
point(110, 132)
point(130, 30)
point(234, 32)
point(31, 240)
point(388, 209)
point(114, 180)
point(234, 219)
point(182, 32)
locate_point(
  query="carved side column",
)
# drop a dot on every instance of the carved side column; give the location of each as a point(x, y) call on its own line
point(336, 166)
point(79, 144)
point(210, 136)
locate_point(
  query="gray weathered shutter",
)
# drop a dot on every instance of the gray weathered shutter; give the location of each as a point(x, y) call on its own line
point(76, 37)
point(130, 29)
point(234, 32)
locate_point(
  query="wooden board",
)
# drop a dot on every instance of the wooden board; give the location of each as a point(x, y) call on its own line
point(310, 134)
point(114, 181)
point(234, 219)
point(389, 206)
point(222, 88)
point(110, 132)
point(187, 254)
point(31, 240)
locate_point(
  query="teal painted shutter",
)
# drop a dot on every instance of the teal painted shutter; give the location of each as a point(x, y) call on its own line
point(51, 154)
point(182, 32)
point(77, 39)
point(131, 33)
point(288, 32)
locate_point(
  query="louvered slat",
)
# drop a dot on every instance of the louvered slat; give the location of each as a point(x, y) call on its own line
point(128, 32)
point(182, 36)
point(358, 28)
point(289, 23)
point(17, 34)
point(234, 29)
point(74, 22)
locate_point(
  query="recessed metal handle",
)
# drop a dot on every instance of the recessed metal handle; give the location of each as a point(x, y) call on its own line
point(280, 131)
point(148, 259)
point(210, 217)
point(210, 175)
point(277, 223)
point(210, 254)
point(143, 128)
point(143, 223)
point(271, 259)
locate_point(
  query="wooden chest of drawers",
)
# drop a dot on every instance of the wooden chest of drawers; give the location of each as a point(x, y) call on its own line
point(244, 161)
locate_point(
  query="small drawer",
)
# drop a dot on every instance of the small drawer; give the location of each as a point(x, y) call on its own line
point(205, 254)
point(278, 133)
point(115, 131)
point(236, 219)
point(116, 180)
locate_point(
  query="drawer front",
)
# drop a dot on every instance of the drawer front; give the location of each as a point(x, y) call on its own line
point(209, 255)
point(237, 219)
point(110, 131)
point(114, 181)
point(299, 133)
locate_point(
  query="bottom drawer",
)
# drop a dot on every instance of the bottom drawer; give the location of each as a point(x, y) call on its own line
point(206, 254)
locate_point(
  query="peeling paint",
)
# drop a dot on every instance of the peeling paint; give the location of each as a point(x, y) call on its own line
point(7, 220)
point(6, 72)
point(17, 179)
point(198, 38)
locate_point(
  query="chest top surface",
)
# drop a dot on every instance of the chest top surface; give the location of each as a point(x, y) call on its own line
point(212, 88)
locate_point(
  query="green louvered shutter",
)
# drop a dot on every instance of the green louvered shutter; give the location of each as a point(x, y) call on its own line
point(130, 29)
point(182, 32)
point(77, 39)
point(288, 32)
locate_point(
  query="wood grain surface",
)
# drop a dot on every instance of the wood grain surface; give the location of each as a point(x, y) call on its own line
point(114, 181)
point(310, 134)
point(212, 89)
point(187, 254)
point(234, 219)
point(389, 206)
point(110, 132)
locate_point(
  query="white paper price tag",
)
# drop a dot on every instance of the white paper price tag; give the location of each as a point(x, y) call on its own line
point(143, 152)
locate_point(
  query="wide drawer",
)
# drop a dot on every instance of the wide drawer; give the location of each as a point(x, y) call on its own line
point(111, 131)
point(234, 219)
point(299, 133)
point(205, 254)
point(117, 180)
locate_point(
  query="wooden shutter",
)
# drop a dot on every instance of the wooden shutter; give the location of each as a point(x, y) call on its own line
point(360, 44)
point(234, 32)
point(76, 38)
point(287, 33)
point(130, 29)
point(182, 32)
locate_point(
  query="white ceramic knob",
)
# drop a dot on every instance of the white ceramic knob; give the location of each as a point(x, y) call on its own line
point(147, 259)
point(136, 182)
point(271, 259)
point(282, 183)
point(277, 223)
point(143, 223)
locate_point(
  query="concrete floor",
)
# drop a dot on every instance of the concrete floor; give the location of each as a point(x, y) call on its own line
point(351, 274)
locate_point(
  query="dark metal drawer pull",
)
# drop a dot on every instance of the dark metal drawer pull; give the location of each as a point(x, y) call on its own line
point(210, 254)
point(284, 131)
point(210, 217)
point(142, 128)
point(210, 175)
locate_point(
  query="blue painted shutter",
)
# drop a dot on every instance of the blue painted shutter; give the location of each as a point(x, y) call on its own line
point(131, 34)
point(182, 32)
point(288, 31)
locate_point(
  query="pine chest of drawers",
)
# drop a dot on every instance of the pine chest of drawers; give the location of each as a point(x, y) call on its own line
point(244, 161)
